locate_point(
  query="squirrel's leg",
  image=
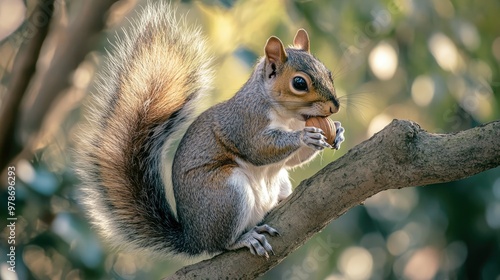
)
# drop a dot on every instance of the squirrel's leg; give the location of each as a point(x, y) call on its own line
point(251, 210)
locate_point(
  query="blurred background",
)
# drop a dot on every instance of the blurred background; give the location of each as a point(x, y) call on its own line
point(436, 62)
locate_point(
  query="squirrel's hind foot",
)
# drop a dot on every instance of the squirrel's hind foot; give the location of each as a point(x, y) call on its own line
point(256, 241)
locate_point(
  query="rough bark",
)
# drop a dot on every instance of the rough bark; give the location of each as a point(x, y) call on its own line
point(401, 155)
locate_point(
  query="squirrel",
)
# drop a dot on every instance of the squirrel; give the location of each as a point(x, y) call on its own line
point(231, 165)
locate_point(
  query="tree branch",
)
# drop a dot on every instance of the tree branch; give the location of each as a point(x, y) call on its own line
point(73, 44)
point(401, 155)
point(23, 70)
point(72, 47)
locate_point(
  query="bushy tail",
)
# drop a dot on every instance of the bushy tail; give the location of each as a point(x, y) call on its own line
point(144, 94)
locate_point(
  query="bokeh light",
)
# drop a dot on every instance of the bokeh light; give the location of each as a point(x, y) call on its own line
point(422, 265)
point(445, 52)
point(377, 123)
point(422, 90)
point(383, 61)
point(356, 263)
point(11, 15)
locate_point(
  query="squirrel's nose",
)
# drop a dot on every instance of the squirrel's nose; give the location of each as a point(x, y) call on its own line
point(334, 109)
point(335, 104)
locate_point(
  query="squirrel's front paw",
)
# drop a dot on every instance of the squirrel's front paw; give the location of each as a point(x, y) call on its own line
point(339, 138)
point(315, 138)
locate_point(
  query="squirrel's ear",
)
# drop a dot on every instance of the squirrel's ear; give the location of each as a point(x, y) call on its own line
point(275, 52)
point(301, 40)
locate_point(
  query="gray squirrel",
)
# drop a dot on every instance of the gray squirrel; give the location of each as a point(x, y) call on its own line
point(231, 165)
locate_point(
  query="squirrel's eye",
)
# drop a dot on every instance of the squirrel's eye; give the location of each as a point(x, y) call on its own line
point(299, 83)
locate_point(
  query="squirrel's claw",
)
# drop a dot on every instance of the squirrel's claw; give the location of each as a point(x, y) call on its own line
point(256, 241)
point(266, 229)
point(315, 138)
point(339, 138)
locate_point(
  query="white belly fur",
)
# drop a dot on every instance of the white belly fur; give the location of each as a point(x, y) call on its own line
point(261, 186)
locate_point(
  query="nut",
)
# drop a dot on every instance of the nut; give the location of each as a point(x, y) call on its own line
point(326, 124)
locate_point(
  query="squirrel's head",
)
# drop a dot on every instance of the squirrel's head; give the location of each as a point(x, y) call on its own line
point(298, 81)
